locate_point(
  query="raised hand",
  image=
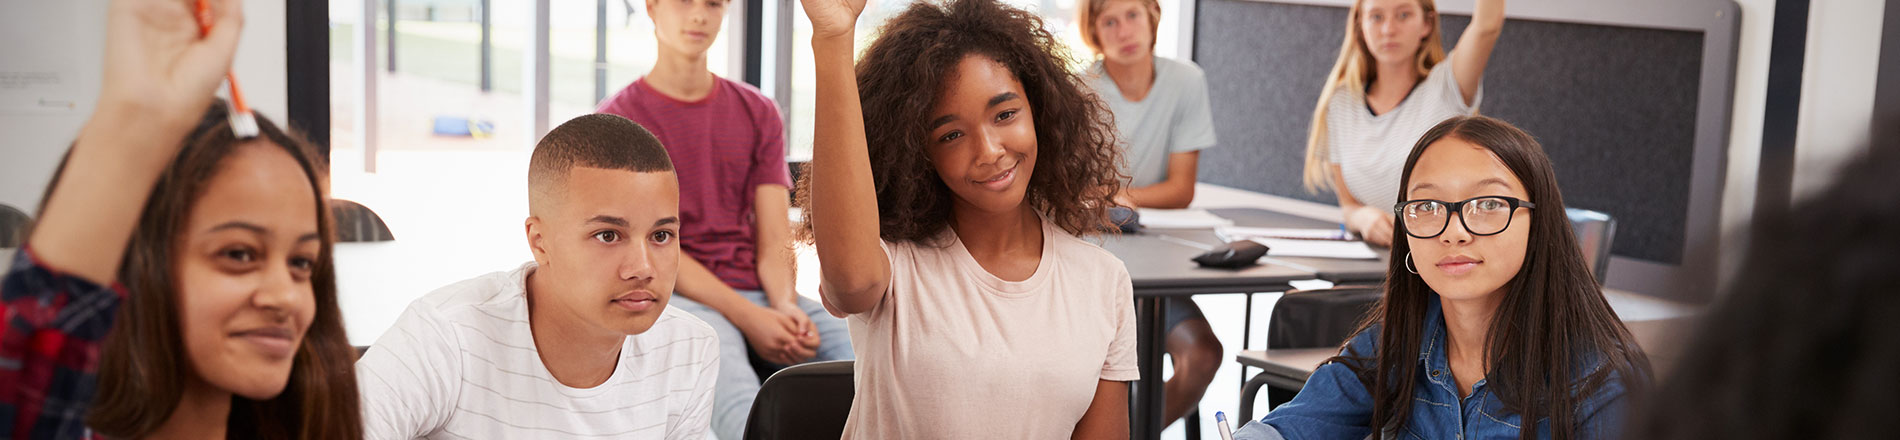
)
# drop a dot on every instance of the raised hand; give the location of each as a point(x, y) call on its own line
point(158, 65)
point(160, 73)
point(832, 18)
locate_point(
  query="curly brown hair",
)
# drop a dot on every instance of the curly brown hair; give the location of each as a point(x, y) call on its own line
point(1076, 172)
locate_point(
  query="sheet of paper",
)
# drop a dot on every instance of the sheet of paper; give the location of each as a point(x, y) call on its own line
point(1231, 233)
point(1351, 250)
point(1181, 219)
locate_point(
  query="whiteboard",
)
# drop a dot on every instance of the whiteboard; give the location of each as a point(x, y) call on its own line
point(49, 80)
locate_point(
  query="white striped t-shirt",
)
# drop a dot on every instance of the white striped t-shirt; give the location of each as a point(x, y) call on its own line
point(1371, 150)
point(461, 363)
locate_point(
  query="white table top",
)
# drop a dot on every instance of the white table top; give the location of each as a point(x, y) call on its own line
point(377, 281)
point(1209, 196)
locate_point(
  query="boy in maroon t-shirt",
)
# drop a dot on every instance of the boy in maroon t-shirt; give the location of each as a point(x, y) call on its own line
point(727, 144)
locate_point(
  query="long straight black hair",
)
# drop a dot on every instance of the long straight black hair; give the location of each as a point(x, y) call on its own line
point(1553, 314)
point(142, 363)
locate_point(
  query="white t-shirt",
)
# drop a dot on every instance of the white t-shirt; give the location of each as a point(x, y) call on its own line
point(1371, 150)
point(955, 352)
point(1175, 117)
point(461, 363)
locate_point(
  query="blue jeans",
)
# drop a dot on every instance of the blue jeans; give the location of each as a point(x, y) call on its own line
point(738, 384)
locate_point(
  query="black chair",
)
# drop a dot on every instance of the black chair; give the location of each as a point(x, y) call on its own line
point(803, 401)
point(357, 223)
point(1595, 232)
point(1309, 319)
point(13, 226)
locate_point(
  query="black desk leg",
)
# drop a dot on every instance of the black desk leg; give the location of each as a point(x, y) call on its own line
point(1145, 421)
point(1246, 336)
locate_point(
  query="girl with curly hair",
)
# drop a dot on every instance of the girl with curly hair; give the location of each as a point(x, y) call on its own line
point(949, 184)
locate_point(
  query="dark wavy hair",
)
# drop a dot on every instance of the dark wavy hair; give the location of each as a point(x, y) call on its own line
point(1553, 319)
point(901, 78)
point(1804, 344)
point(142, 363)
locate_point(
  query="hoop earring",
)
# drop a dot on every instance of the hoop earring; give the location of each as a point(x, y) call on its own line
point(1408, 264)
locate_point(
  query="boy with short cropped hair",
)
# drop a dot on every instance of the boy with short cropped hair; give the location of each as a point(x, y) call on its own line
point(578, 342)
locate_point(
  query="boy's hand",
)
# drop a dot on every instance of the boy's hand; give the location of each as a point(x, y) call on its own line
point(806, 331)
point(770, 334)
point(159, 69)
point(832, 18)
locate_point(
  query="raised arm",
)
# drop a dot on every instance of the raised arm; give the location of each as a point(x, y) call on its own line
point(159, 78)
point(1474, 47)
point(855, 272)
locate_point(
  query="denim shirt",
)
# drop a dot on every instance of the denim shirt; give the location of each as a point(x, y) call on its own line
point(1335, 405)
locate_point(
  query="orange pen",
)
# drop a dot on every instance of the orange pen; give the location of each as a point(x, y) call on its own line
point(243, 123)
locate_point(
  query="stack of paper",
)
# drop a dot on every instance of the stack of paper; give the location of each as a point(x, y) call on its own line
point(1352, 250)
point(1231, 233)
point(1319, 243)
point(1181, 219)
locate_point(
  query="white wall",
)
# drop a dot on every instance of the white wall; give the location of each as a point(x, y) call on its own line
point(1837, 92)
point(1744, 157)
point(69, 35)
point(1839, 73)
point(32, 138)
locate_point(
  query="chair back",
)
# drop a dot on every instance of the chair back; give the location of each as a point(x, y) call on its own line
point(1594, 232)
point(13, 226)
point(803, 401)
point(357, 223)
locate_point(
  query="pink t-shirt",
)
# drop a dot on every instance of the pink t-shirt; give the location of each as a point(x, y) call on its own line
point(723, 147)
point(955, 352)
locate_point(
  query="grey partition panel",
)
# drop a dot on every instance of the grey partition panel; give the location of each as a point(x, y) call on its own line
point(1634, 118)
point(1265, 65)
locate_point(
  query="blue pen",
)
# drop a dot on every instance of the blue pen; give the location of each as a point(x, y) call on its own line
point(1220, 419)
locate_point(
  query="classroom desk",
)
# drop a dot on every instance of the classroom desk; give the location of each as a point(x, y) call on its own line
point(1334, 270)
point(1161, 267)
point(1248, 208)
point(1285, 368)
point(1158, 269)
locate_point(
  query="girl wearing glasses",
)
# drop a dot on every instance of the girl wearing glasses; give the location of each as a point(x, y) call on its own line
point(1490, 327)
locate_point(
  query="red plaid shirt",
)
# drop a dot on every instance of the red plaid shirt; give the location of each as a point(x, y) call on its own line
point(54, 323)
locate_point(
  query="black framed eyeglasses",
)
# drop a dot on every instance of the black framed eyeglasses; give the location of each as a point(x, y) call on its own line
point(1487, 215)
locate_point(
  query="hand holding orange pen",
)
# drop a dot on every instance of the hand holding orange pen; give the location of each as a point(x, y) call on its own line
point(243, 123)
